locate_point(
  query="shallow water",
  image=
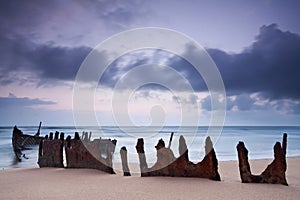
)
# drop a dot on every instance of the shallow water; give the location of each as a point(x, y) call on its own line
point(259, 140)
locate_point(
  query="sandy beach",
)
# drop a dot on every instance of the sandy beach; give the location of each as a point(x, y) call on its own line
point(54, 183)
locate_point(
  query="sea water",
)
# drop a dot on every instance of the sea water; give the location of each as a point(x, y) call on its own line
point(259, 141)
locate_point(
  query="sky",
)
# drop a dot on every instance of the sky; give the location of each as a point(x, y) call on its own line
point(254, 44)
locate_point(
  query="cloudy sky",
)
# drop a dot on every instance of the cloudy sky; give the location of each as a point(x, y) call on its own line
point(255, 45)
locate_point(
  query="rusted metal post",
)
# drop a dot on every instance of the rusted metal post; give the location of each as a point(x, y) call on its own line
point(123, 153)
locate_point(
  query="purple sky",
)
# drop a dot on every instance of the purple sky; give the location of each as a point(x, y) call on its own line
point(255, 45)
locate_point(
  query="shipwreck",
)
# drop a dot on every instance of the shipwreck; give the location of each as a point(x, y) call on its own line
point(79, 152)
point(168, 165)
point(21, 141)
point(274, 173)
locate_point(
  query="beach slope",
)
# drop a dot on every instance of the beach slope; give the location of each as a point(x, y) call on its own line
point(54, 183)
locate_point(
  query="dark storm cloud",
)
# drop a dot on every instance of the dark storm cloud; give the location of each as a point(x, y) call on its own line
point(45, 61)
point(30, 31)
point(58, 62)
point(270, 66)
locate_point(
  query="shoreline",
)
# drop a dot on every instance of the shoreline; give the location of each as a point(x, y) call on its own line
point(118, 165)
point(61, 183)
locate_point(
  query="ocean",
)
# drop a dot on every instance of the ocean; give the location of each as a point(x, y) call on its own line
point(259, 141)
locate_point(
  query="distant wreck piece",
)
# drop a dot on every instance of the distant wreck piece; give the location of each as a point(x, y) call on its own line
point(123, 153)
point(168, 165)
point(96, 154)
point(21, 141)
point(274, 173)
point(79, 153)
